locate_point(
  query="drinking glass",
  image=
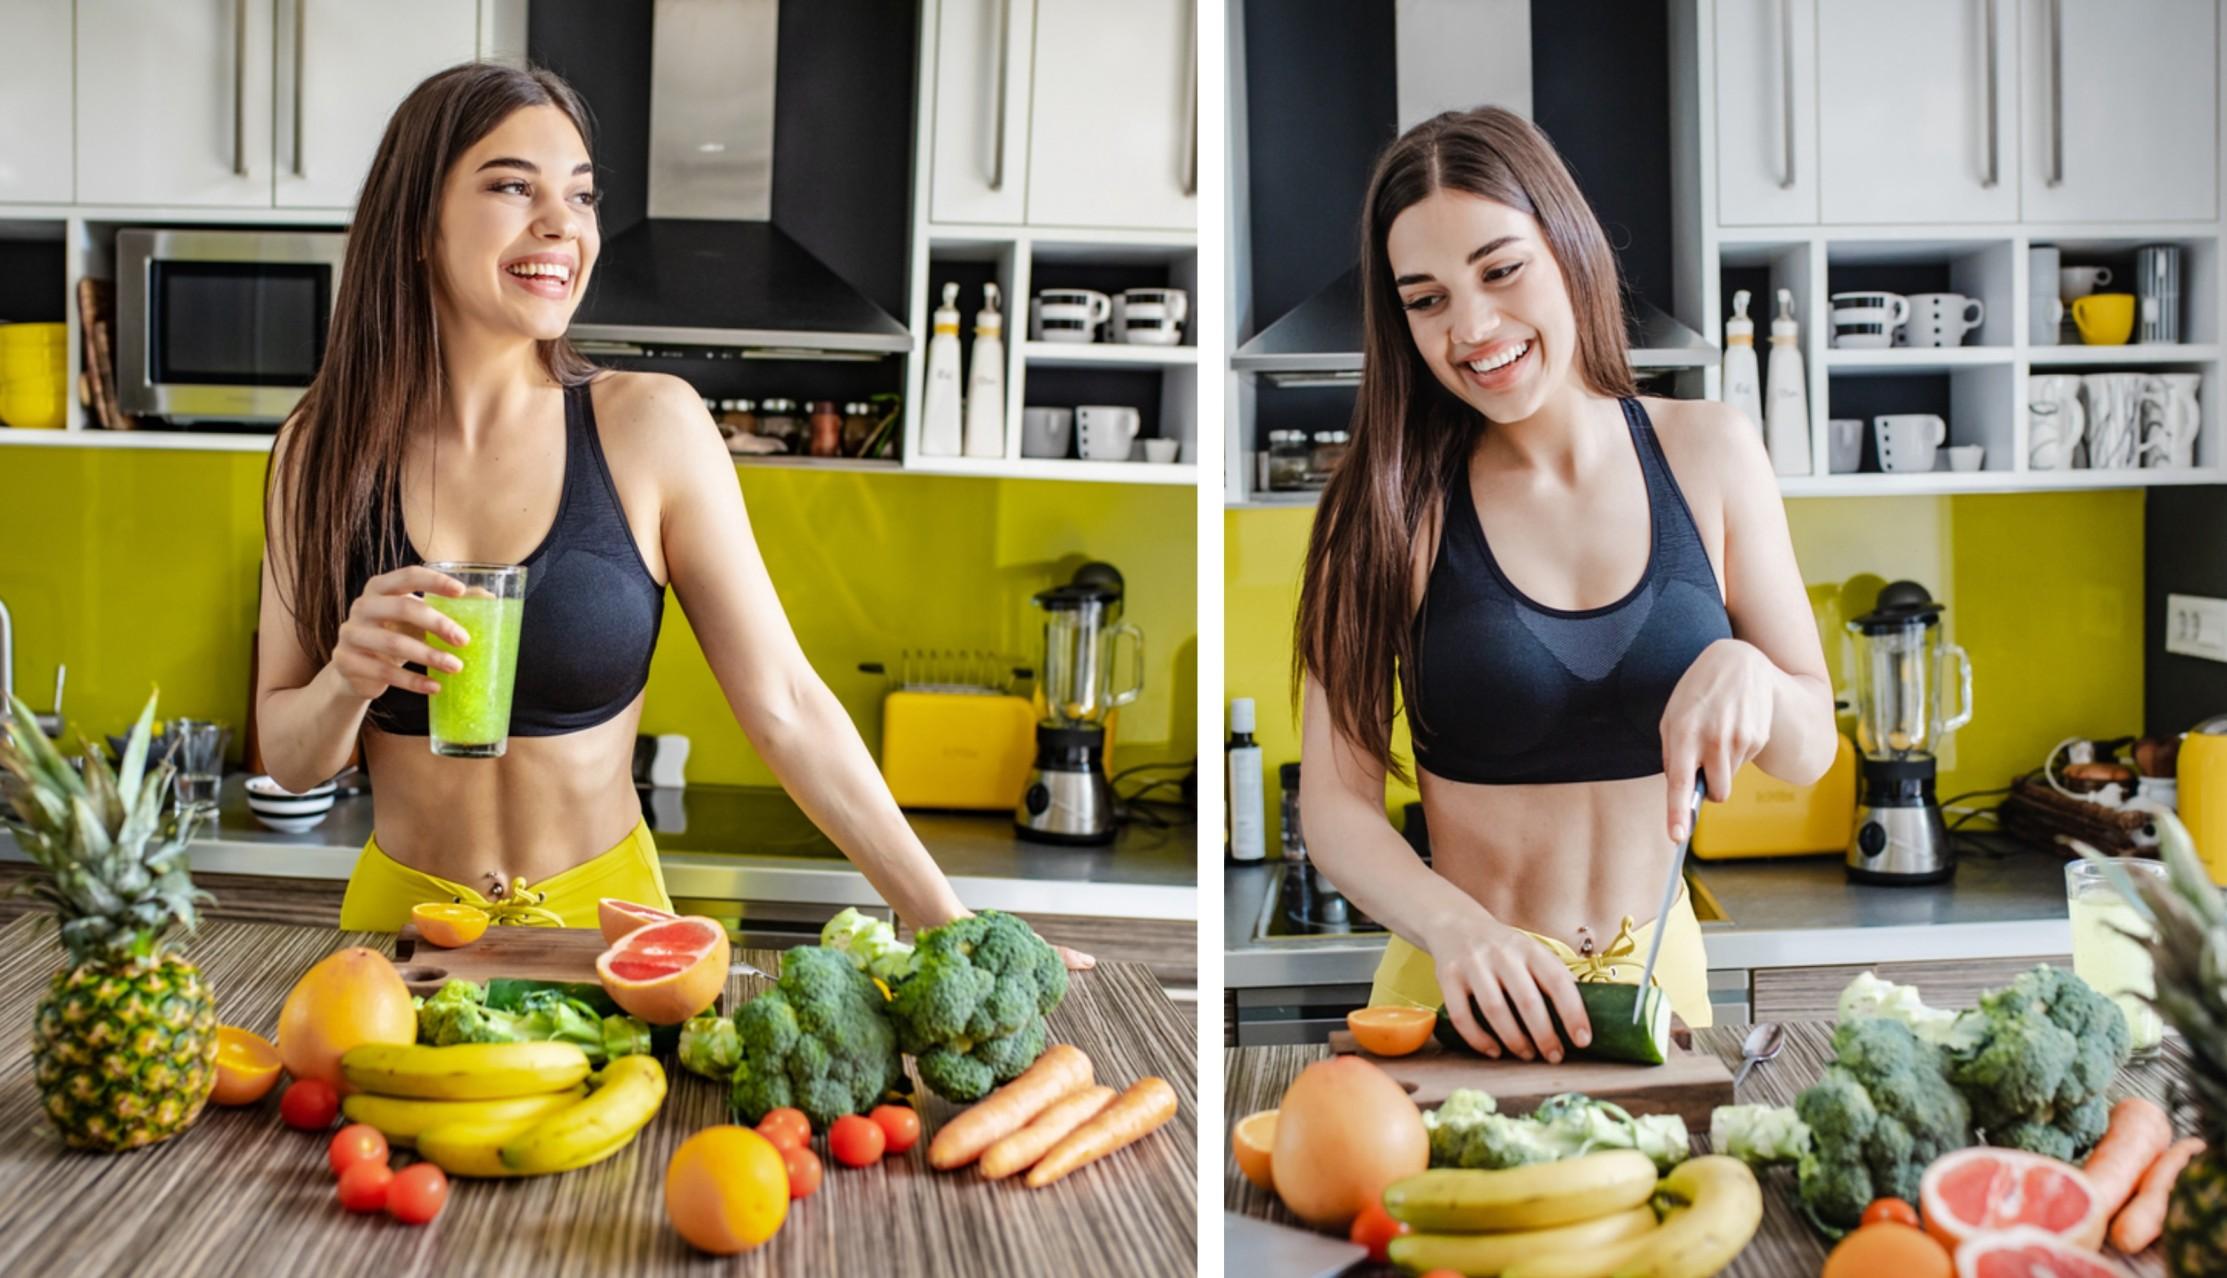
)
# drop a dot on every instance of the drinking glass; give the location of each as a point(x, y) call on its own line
point(199, 757)
point(2115, 964)
point(469, 718)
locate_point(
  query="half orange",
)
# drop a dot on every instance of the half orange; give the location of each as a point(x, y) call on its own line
point(617, 917)
point(247, 1067)
point(667, 972)
point(1391, 1031)
point(447, 925)
point(1252, 1140)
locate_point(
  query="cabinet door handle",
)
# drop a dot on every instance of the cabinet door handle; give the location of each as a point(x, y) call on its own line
point(239, 88)
point(1786, 83)
point(2056, 93)
point(1005, 63)
point(301, 76)
point(1993, 130)
point(1191, 112)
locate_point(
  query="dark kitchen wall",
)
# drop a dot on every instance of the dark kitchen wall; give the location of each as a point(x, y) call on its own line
point(603, 51)
point(1600, 88)
point(2184, 538)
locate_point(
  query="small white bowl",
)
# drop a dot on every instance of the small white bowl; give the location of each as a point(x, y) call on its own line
point(285, 810)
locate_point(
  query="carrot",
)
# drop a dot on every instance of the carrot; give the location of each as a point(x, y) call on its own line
point(2138, 1133)
point(2143, 1218)
point(1147, 1104)
point(1061, 1069)
point(1025, 1146)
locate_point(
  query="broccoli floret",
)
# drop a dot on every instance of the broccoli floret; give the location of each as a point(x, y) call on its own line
point(820, 1040)
point(458, 1013)
point(1877, 1116)
point(1468, 1131)
point(972, 985)
point(2038, 1054)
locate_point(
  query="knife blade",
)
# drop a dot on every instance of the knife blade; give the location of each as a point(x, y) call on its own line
point(1670, 891)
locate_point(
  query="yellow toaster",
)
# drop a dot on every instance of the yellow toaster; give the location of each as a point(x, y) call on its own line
point(969, 750)
point(1768, 817)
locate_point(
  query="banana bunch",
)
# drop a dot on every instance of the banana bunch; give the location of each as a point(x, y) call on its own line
point(502, 1109)
point(1588, 1217)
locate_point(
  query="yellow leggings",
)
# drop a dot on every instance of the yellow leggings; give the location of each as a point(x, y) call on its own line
point(1407, 977)
point(382, 890)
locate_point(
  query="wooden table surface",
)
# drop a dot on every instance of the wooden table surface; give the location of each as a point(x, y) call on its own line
point(241, 1192)
point(1786, 1247)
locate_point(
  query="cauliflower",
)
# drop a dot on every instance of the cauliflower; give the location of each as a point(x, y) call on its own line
point(1468, 1130)
point(870, 944)
point(1868, 995)
point(1758, 1135)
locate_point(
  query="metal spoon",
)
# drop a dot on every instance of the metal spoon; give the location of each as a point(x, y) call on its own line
point(1763, 1043)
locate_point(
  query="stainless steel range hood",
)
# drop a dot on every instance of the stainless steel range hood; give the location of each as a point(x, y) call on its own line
point(707, 267)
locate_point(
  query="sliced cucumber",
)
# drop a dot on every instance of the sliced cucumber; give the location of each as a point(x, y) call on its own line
point(1616, 1037)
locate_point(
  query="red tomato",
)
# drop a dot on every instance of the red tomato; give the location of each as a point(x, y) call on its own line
point(1893, 1209)
point(899, 1123)
point(364, 1186)
point(1442, 1273)
point(356, 1143)
point(310, 1104)
point(786, 1128)
point(804, 1171)
point(1375, 1229)
point(855, 1141)
point(418, 1193)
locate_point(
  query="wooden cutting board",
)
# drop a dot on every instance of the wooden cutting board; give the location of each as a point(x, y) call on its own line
point(528, 953)
point(1689, 1084)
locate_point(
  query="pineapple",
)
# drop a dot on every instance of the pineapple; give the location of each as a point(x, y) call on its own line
point(125, 1042)
point(2189, 954)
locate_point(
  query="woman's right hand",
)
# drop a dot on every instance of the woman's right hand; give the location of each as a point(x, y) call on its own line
point(1486, 966)
point(385, 630)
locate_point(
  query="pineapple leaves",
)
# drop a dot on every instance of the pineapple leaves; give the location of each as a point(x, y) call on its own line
point(29, 755)
point(135, 751)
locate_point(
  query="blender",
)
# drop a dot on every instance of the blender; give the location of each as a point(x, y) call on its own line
point(1900, 668)
point(1068, 799)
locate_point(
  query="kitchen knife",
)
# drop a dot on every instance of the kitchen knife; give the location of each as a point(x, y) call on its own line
point(1670, 892)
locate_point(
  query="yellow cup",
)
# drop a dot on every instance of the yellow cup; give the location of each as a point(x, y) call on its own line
point(2105, 319)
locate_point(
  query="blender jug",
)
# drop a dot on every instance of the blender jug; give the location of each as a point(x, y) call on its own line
point(1901, 665)
point(1079, 655)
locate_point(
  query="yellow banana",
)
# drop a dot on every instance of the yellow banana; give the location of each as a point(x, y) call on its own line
point(471, 1148)
point(1537, 1196)
point(466, 1071)
point(402, 1120)
point(1491, 1254)
point(1717, 1207)
point(626, 1097)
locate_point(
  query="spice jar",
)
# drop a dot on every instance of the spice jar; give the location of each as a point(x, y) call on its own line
point(1287, 459)
point(827, 429)
point(858, 427)
point(738, 417)
point(777, 420)
point(1329, 449)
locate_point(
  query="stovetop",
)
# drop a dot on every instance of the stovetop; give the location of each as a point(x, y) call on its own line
point(1297, 909)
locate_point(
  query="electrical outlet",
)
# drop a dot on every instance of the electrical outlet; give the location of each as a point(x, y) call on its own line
point(2196, 626)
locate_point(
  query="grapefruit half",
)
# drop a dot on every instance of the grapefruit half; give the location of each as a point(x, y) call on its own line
point(1986, 1190)
point(667, 972)
point(2027, 1252)
point(617, 917)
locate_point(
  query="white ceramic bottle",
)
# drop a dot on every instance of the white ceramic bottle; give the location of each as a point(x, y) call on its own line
point(939, 396)
point(1742, 380)
point(986, 380)
point(1786, 433)
point(1248, 820)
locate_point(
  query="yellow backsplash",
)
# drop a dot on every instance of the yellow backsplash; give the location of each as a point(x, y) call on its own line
point(138, 568)
point(2044, 591)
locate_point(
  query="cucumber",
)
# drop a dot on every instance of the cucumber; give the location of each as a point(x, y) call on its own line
point(1615, 1036)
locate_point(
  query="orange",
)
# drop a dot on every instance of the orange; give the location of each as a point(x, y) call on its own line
point(726, 1190)
point(1253, 1140)
point(1391, 1031)
point(617, 917)
point(667, 972)
point(247, 1067)
point(2026, 1252)
point(447, 925)
point(348, 998)
point(1889, 1247)
point(1985, 1190)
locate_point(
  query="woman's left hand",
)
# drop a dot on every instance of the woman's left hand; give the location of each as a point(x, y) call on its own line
point(1719, 718)
point(1076, 960)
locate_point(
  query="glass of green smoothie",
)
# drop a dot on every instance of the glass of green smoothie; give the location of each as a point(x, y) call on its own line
point(469, 718)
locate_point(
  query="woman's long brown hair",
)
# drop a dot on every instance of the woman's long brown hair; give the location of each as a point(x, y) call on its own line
point(1411, 436)
point(382, 377)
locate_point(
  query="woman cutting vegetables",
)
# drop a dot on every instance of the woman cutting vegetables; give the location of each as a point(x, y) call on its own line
point(1584, 599)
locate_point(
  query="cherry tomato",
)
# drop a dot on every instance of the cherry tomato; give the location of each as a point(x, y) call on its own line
point(1375, 1229)
point(804, 1171)
point(310, 1104)
point(418, 1193)
point(899, 1123)
point(1893, 1209)
point(855, 1141)
point(363, 1187)
point(1442, 1273)
point(786, 1128)
point(355, 1143)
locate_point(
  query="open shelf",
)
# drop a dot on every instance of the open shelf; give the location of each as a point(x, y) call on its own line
point(1916, 359)
point(2135, 354)
point(1107, 355)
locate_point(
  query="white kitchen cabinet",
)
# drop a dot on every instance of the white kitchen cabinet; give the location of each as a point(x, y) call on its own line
point(1766, 105)
point(1113, 121)
point(2119, 110)
point(173, 102)
point(979, 143)
point(343, 67)
point(1916, 106)
point(36, 163)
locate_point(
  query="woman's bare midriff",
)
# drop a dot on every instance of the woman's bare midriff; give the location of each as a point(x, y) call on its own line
point(1554, 859)
point(548, 804)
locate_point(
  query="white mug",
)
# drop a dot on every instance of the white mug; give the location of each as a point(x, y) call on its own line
point(1104, 432)
point(2170, 419)
point(2056, 420)
point(1965, 456)
point(1844, 445)
point(1942, 319)
point(1908, 441)
point(2079, 281)
point(1045, 431)
point(1068, 314)
point(1151, 316)
point(1161, 450)
point(1867, 321)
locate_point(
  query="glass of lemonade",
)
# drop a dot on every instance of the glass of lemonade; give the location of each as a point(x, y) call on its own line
point(2114, 964)
point(469, 718)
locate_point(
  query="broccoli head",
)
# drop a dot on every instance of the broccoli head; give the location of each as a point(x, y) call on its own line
point(971, 1005)
point(2034, 1059)
point(1880, 1113)
point(819, 1040)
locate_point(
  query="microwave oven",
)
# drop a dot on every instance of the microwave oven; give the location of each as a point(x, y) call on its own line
point(219, 325)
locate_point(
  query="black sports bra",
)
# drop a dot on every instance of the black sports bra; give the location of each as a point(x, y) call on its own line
point(592, 608)
point(1510, 691)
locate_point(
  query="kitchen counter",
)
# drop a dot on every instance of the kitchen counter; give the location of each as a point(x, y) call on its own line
point(2007, 899)
point(732, 843)
point(241, 1192)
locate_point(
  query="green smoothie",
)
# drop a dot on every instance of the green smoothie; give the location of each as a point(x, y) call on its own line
point(470, 716)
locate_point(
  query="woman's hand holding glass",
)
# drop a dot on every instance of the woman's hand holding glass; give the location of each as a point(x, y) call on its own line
point(385, 631)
